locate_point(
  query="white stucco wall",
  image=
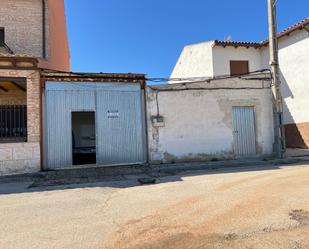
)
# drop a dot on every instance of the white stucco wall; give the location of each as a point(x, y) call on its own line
point(294, 66)
point(198, 124)
point(222, 57)
point(195, 61)
point(207, 60)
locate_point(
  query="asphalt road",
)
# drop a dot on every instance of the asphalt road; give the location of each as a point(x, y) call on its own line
point(240, 208)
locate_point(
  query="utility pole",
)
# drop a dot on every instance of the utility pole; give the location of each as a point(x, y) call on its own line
point(274, 64)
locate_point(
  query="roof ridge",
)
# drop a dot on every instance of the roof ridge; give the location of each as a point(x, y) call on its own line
point(280, 34)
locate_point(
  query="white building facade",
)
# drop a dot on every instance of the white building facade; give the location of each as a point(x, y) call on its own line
point(218, 58)
point(220, 119)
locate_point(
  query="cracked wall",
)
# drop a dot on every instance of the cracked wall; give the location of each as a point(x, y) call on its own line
point(198, 126)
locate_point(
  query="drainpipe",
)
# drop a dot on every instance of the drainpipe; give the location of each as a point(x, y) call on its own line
point(43, 30)
point(146, 124)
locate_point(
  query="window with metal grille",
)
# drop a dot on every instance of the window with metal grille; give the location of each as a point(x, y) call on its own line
point(13, 123)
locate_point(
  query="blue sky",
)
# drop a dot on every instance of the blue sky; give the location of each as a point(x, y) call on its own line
point(147, 36)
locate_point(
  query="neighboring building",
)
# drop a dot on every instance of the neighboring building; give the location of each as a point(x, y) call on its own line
point(20, 113)
point(36, 28)
point(217, 58)
point(210, 120)
point(32, 37)
point(50, 118)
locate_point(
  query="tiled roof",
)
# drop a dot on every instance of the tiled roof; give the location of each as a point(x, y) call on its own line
point(237, 44)
point(286, 31)
point(94, 77)
point(51, 73)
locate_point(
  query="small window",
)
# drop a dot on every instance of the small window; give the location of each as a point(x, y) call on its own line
point(2, 37)
point(239, 67)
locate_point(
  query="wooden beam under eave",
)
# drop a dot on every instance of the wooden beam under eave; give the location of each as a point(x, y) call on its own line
point(3, 89)
point(18, 86)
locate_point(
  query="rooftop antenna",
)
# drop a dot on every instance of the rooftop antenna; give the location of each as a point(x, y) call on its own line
point(228, 38)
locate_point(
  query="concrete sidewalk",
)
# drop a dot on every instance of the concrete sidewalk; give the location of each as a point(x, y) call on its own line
point(119, 173)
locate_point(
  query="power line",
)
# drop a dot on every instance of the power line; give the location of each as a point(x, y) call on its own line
point(207, 79)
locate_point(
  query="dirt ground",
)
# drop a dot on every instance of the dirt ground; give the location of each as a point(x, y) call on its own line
point(240, 208)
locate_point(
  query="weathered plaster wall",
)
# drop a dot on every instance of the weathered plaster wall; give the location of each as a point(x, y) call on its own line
point(294, 77)
point(223, 56)
point(294, 66)
point(24, 157)
point(195, 61)
point(205, 60)
point(198, 124)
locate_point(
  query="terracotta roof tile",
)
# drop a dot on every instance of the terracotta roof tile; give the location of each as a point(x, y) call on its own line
point(287, 31)
point(237, 44)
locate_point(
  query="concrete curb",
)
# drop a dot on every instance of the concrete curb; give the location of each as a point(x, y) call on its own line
point(118, 173)
point(170, 168)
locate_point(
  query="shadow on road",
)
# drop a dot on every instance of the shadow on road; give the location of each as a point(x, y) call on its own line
point(100, 178)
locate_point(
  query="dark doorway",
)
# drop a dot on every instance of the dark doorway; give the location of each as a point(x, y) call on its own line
point(83, 138)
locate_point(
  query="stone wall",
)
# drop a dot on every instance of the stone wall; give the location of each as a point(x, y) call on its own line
point(18, 158)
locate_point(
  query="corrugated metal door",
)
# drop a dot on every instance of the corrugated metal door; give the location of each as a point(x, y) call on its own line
point(244, 131)
point(119, 122)
point(119, 126)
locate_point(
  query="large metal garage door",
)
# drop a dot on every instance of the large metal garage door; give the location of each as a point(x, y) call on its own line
point(244, 131)
point(120, 133)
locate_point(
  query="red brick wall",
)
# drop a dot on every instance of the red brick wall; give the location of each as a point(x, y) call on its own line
point(33, 99)
point(18, 158)
point(297, 135)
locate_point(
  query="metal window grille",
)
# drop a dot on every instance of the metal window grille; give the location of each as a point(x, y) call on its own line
point(13, 123)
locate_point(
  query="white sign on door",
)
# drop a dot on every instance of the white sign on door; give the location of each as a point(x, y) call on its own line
point(113, 114)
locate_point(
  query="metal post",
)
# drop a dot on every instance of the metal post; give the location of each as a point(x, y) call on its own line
point(274, 64)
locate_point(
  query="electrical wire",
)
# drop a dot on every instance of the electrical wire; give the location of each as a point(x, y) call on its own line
point(203, 79)
point(184, 82)
point(208, 80)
